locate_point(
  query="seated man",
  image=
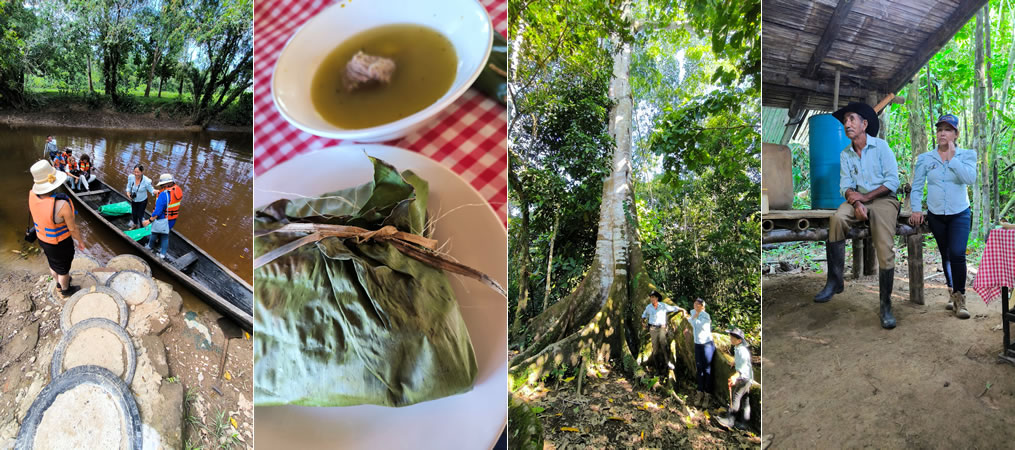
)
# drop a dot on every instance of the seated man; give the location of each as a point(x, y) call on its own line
point(868, 179)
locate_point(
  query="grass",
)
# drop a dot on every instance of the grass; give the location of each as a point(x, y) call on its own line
point(170, 105)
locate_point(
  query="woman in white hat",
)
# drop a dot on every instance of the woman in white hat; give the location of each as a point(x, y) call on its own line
point(167, 205)
point(53, 216)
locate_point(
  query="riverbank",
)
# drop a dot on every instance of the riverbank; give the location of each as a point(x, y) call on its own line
point(65, 113)
point(182, 400)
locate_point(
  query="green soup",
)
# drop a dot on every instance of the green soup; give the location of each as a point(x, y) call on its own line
point(425, 63)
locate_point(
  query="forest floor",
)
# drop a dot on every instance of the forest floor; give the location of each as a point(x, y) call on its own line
point(614, 412)
point(832, 374)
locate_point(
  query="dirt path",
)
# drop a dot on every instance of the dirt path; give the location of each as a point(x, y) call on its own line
point(614, 412)
point(833, 375)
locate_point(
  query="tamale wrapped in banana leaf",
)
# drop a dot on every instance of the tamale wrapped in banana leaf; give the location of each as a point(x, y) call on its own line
point(353, 320)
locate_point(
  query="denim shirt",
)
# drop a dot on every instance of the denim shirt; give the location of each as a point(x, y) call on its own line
point(657, 316)
point(702, 324)
point(946, 181)
point(874, 167)
point(742, 361)
point(143, 190)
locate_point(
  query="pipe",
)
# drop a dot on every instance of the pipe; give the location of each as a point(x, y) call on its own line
point(803, 224)
point(767, 225)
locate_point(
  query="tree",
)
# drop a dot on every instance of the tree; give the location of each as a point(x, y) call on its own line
point(224, 35)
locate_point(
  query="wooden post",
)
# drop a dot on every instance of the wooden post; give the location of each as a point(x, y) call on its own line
point(915, 242)
point(869, 264)
point(835, 93)
point(857, 258)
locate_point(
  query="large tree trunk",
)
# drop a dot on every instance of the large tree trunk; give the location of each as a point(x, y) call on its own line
point(156, 58)
point(598, 320)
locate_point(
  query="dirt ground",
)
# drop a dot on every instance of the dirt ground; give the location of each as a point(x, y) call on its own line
point(614, 412)
point(833, 375)
point(30, 326)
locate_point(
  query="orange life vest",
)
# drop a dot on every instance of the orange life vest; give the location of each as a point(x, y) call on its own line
point(173, 205)
point(46, 228)
point(59, 162)
point(72, 164)
point(85, 166)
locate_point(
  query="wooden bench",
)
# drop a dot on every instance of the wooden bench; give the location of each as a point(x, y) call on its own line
point(184, 263)
point(812, 225)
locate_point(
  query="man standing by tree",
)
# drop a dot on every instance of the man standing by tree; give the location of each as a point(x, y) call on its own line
point(655, 315)
point(868, 179)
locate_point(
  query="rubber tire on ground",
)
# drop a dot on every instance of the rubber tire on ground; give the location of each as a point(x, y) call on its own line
point(70, 379)
point(68, 307)
point(56, 366)
point(84, 262)
point(147, 269)
point(153, 293)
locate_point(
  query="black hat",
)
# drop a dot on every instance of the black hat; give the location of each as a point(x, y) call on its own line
point(865, 111)
point(736, 332)
point(656, 294)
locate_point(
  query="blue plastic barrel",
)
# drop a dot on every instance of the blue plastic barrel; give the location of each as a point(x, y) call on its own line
point(827, 140)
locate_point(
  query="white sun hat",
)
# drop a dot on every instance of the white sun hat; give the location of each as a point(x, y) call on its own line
point(46, 177)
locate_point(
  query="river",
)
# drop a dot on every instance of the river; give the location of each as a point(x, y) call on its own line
point(214, 169)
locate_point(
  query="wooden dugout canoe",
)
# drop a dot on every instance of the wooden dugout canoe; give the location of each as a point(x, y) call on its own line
point(205, 276)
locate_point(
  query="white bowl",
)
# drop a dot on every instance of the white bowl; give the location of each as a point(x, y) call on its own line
point(464, 22)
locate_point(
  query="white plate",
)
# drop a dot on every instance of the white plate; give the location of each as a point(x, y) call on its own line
point(464, 22)
point(476, 237)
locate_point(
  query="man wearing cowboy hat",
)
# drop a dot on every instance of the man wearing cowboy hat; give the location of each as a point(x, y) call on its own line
point(53, 216)
point(868, 179)
point(167, 207)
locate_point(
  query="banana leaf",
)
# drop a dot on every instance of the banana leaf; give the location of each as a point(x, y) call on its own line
point(115, 209)
point(347, 322)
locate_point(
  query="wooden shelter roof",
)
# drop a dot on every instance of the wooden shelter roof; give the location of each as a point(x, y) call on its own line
point(877, 45)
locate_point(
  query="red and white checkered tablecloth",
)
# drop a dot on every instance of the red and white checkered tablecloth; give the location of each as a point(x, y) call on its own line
point(997, 265)
point(469, 137)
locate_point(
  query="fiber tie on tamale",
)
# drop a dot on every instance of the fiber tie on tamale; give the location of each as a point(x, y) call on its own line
point(412, 245)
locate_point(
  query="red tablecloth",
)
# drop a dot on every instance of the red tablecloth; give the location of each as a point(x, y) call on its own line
point(997, 266)
point(469, 137)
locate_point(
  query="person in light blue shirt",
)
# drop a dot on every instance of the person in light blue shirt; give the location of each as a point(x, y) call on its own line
point(868, 179)
point(704, 349)
point(947, 172)
point(655, 319)
point(138, 188)
point(739, 383)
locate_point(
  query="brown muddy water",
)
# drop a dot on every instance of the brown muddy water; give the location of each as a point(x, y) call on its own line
point(215, 170)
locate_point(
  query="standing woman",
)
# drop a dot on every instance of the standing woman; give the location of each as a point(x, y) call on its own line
point(138, 188)
point(947, 172)
point(704, 349)
point(53, 215)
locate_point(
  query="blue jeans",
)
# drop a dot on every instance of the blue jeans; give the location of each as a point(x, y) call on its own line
point(154, 238)
point(703, 362)
point(952, 234)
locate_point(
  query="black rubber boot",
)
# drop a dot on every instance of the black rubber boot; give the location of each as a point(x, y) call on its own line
point(836, 255)
point(885, 280)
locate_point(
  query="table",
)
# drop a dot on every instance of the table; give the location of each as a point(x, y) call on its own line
point(469, 137)
point(995, 277)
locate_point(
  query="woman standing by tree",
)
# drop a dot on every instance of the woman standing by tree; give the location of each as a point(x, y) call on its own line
point(704, 349)
point(946, 173)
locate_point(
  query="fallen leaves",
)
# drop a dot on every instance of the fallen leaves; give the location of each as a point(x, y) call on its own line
point(570, 429)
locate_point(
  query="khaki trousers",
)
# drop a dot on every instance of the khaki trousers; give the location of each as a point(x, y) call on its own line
point(883, 214)
point(659, 344)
